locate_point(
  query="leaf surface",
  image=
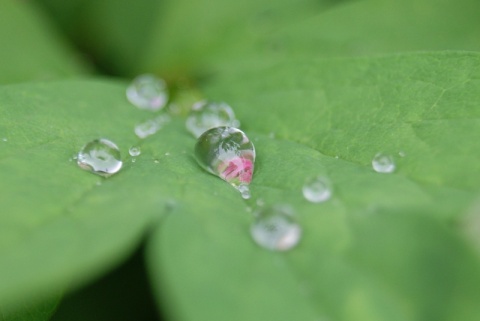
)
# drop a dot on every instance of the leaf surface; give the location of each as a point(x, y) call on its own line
point(31, 48)
point(382, 248)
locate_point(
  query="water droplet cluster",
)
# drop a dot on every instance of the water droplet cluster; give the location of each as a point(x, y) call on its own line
point(222, 150)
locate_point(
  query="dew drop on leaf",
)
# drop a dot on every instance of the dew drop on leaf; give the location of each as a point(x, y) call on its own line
point(275, 228)
point(383, 163)
point(227, 153)
point(100, 156)
point(134, 151)
point(205, 115)
point(317, 189)
point(148, 92)
point(151, 126)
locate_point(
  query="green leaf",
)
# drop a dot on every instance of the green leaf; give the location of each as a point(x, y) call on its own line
point(59, 225)
point(113, 32)
point(31, 49)
point(199, 39)
point(36, 312)
point(383, 247)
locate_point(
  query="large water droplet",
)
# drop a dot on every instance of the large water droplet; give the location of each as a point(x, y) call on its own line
point(317, 189)
point(151, 126)
point(148, 92)
point(383, 163)
point(206, 115)
point(101, 157)
point(134, 151)
point(275, 228)
point(227, 153)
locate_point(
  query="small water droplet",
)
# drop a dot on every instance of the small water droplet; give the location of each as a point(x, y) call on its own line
point(134, 151)
point(260, 202)
point(227, 153)
point(148, 92)
point(317, 189)
point(167, 154)
point(275, 228)
point(151, 126)
point(336, 156)
point(5, 139)
point(134, 160)
point(244, 191)
point(383, 163)
point(156, 161)
point(206, 115)
point(99, 183)
point(402, 153)
point(100, 156)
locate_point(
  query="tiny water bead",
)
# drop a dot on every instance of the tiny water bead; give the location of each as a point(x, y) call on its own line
point(4, 139)
point(134, 151)
point(227, 153)
point(148, 92)
point(317, 189)
point(206, 114)
point(275, 228)
point(100, 156)
point(383, 163)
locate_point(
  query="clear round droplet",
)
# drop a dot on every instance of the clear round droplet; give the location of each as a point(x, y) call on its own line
point(134, 151)
point(206, 115)
point(148, 92)
point(383, 163)
point(275, 228)
point(317, 189)
point(227, 153)
point(100, 156)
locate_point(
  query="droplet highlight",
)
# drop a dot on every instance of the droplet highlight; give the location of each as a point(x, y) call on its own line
point(4, 139)
point(227, 153)
point(148, 92)
point(383, 163)
point(134, 151)
point(206, 115)
point(100, 156)
point(317, 189)
point(275, 228)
